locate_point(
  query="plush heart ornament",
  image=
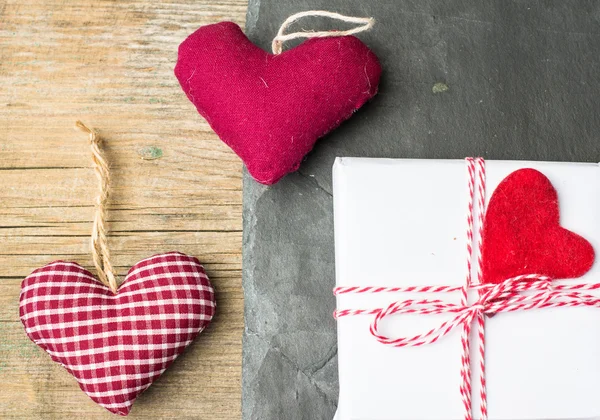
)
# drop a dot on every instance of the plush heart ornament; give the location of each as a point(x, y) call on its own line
point(116, 345)
point(522, 232)
point(271, 108)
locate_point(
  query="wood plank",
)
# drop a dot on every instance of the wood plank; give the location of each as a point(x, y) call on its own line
point(175, 186)
point(50, 221)
point(76, 187)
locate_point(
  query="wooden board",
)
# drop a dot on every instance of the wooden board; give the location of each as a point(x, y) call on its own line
point(110, 64)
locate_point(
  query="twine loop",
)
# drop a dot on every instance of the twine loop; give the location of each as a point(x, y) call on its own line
point(502, 297)
point(99, 241)
point(277, 44)
point(520, 293)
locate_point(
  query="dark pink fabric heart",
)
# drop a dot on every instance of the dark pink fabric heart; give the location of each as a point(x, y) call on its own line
point(271, 109)
point(117, 345)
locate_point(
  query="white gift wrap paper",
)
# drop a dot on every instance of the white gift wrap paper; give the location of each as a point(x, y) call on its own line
point(403, 222)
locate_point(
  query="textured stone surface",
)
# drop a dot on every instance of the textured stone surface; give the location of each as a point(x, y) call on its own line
point(500, 79)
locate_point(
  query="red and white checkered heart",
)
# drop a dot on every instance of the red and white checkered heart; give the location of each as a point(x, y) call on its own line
point(117, 345)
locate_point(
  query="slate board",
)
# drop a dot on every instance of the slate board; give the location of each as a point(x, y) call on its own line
point(523, 82)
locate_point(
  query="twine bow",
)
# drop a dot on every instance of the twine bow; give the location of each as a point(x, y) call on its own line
point(498, 298)
point(520, 293)
point(99, 241)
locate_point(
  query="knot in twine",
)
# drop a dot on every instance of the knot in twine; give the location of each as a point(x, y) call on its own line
point(520, 293)
point(505, 296)
point(99, 241)
point(280, 38)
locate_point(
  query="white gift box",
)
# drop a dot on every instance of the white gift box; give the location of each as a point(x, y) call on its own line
point(403, 223)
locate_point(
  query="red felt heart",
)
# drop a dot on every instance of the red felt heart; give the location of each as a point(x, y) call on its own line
point(522, 232)
point(116, 345)
point(271, 109)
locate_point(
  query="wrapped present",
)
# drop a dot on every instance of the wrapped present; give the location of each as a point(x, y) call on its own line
point(467, 289)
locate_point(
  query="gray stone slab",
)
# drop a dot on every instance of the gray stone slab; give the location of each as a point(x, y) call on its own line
point(523, 81)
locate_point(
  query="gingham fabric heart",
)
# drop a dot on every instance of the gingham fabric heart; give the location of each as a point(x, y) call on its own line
point(117, 345)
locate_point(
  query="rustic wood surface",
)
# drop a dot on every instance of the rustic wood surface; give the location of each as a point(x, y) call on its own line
point(175, 186)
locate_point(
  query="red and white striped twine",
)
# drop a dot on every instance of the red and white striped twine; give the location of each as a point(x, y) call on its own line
point(492, 299)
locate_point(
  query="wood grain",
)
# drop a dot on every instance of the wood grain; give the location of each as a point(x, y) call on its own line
point(110, 64)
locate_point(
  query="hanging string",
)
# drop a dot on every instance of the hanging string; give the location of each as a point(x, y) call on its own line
point(99, 242)
point(277, 45)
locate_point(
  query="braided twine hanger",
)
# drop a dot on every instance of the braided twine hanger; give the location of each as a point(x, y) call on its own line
point(99, 242)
